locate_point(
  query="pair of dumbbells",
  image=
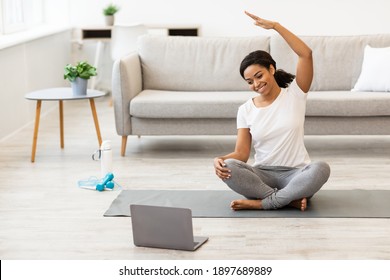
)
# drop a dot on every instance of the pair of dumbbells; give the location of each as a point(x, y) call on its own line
point(107, 183)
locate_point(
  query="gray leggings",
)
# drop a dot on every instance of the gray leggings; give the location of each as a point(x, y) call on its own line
point(276, 186)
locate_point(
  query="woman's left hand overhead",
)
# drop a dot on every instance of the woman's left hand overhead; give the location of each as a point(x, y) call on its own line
point(266, 24)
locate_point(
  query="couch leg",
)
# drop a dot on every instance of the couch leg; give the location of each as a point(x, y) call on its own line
point(124, 142)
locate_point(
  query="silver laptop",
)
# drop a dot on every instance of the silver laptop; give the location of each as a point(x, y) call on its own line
point(164, 227)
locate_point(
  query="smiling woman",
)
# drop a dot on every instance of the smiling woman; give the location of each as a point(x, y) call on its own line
point(273, 121)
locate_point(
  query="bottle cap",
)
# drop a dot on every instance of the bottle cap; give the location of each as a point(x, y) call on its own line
point(106, 145)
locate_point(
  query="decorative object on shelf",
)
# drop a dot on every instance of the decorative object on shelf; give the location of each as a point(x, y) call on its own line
point(109, 13)
point(78, 75)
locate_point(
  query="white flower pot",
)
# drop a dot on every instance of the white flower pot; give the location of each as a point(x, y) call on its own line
point(79, 87)
point(109, 20)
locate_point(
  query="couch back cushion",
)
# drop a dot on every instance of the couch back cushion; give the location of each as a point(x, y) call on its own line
point(195, 63)
point(337, 59)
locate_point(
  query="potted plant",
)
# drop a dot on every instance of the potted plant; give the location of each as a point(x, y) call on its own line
point(79, 75)
point(109, 13)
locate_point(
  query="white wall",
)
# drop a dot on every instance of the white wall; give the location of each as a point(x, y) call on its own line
point(57, 12)
point(226, 18)
point(26, 67)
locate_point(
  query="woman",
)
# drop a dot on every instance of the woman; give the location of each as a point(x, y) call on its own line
point(282, 174)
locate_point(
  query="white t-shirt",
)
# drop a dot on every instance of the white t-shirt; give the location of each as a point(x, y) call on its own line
point(277, 130)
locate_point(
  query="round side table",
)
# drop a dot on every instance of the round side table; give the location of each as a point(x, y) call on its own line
point(61, 94)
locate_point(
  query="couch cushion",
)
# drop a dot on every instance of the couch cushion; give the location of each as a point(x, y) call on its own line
point(195, 63)
point(375, 75)
point(177, 104)
point(337, 59)
point(348, 104)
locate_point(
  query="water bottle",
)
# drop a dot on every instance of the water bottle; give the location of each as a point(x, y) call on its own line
point(106, 158)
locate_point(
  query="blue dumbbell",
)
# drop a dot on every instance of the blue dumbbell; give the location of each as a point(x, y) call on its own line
point(110, 185)
point(107, 183)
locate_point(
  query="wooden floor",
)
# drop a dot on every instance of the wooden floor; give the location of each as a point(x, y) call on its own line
point(44, 215)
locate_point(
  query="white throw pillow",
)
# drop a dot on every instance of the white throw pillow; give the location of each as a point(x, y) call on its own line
point(375, 75)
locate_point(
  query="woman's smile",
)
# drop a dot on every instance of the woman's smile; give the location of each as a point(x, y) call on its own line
point(260, 89)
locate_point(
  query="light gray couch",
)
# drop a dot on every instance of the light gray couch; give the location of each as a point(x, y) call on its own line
point(192, 86)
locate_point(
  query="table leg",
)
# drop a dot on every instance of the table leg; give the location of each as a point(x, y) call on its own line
point(35, 137)
point(61, 124)
point(95, 119)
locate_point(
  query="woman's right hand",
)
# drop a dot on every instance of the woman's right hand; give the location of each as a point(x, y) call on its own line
point(220, 169)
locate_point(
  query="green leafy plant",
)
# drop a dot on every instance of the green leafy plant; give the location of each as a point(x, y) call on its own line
point(110, 10)
point(82, 69)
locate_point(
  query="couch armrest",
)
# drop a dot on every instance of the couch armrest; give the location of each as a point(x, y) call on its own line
point(126, 84)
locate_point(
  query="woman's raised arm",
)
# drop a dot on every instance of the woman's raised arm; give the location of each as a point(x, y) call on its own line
point(304, 72)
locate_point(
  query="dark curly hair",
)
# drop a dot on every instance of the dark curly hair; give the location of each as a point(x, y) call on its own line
point(264, 59)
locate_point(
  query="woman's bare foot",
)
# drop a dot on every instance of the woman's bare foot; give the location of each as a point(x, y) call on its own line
point(247, 204)
point(242, 204)
point(299, 204)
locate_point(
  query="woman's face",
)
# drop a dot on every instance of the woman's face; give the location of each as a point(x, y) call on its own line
point(259, 78)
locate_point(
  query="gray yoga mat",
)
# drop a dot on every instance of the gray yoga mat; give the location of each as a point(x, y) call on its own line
point(216, 204)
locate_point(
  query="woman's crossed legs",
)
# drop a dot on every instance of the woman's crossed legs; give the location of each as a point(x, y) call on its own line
point(273, 187)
